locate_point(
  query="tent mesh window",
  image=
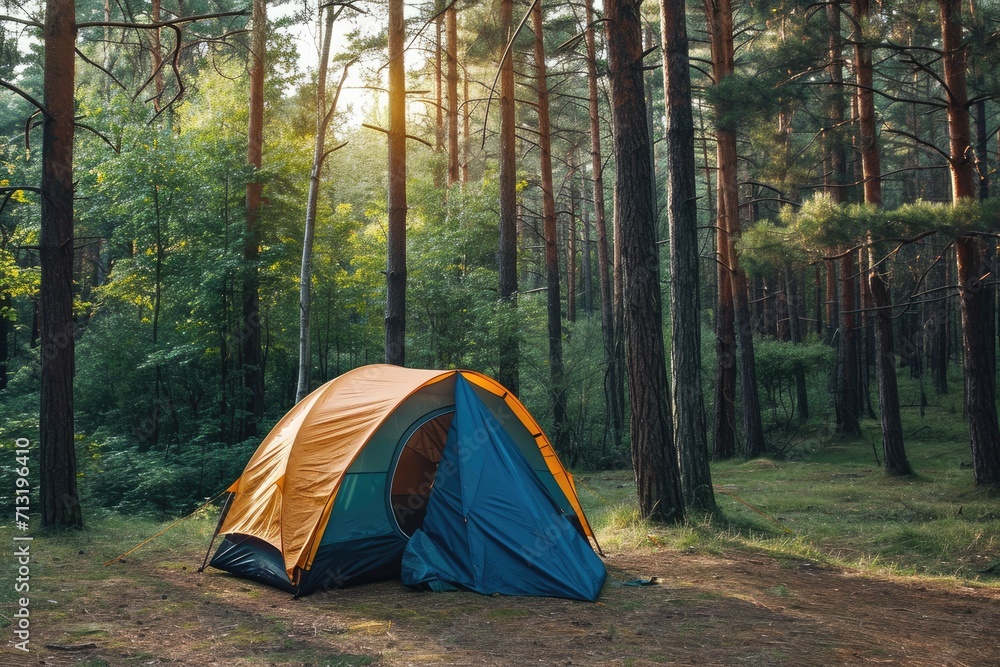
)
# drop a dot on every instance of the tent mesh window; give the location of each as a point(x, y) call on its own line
point(413, 477)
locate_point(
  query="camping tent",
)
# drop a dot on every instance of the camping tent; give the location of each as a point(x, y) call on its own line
point(441, 477)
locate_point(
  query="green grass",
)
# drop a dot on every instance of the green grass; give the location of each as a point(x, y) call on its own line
point(829, 502)
point(104, 537)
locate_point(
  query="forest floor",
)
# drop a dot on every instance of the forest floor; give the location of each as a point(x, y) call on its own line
point(817, 560)
point(735, 608)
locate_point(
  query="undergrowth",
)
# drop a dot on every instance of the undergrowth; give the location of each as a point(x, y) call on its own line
point(829, 502)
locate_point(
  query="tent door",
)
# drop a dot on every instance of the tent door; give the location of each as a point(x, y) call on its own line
point(415, 466)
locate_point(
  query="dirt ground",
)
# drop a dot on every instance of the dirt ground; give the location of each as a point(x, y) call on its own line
point(735, 610)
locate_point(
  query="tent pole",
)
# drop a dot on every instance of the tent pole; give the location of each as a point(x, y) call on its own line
point(222, 517)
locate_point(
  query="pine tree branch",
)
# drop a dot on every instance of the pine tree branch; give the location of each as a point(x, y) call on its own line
point(409, 136)
point(162, 24)
point(15, 188)
point(87, 60)
point(922, 142)
point(101, 136)
point(27, 22)
point(503, 57)
point(325, 155)
point(17, 91)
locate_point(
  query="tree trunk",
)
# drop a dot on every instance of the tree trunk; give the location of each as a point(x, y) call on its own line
point(612, 374)
point(753, 427)
point(571, 293)
point(832, 314)
point(395, 302)
point(60, 503)
point(305, 269)
point(848, 396)
point(893, 451)
point(152, 438)
point(980, 383)
point(250, 344)
point(795, 334)
point(466, 140)
point(225, 424)
point(871, 167)
point(556, 379)
point(649, 44)
point(654, 456)
point(439, 130)
point(818, 300)
point(959, 135)
point(720, 19)
point(866, 335)
point(940, 329)
point(588, 264)
point(157, 55)
point(836, 171)
point(507, 256)
point(982, 151)
point(682, 219)
point(724, 424)
point(451, 29)
point(618, 311)
point(977, 344)
point(5, 305)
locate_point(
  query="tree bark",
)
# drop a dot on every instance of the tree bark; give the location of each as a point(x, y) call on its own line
point(60, 503)
point(818, 300)
point(940, 329)
point(250, 343)
point(648, 45)
point(612, 373)
point(571, 233)
point(848, 397)
point(980, 383)
point(152, 439)
point(157, 55)
point(466, 140)
point(395, 302)
point(654, 456)
point(439, 129)
point(871, 167)
point(556, 373)
point(836, 172)
point(588, 263)
point(682, 219)
point(982, 151)
point(509, 341)
point(451, 30)
point(719, 14)
point(832, 312)
point(323, 117)
point(795, 334)
point(893, 451)
point(959, 134)
point(866, 335)
point(724, 425)
point(977, 344)
point(5, 305)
